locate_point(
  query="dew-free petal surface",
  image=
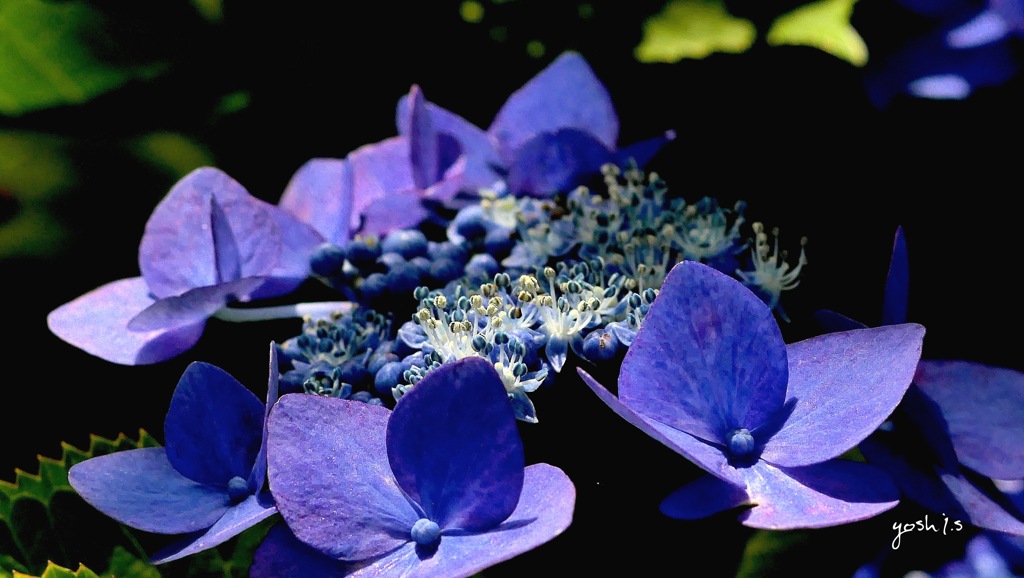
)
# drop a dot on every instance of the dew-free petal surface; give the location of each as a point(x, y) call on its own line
point(282, 555)
point(712, 459)
point(214, 426)
point(545, 510)
point(179, 246)
point(298, 242)
point(259, 469)
point(566, 94)
point(897, 283)
point(826, 494)
point(328, 469)
point(394, 211)
point(423, 146)
point(236, 519)
point(555, 161)
point(983, 409)
point(454, 446)
point(845, 384)
point(320, 194)
point(708, 358)
point(703, 497)
point(193, 306)
point(141, 489)
point(97, 323)
point(642, 152)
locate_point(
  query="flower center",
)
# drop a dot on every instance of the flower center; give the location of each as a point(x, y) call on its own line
point(741, 443)
point(238, 489)
point(425, 532)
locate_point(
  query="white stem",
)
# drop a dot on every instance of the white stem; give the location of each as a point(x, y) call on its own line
point(314, 310)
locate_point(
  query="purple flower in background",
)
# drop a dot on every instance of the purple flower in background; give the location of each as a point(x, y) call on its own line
point(207, 244)
point(557, 129)
point(435, 488)
point(208, 480)
point(959, 419)
point(709, 375)
point(379, 187)
point(969, 48)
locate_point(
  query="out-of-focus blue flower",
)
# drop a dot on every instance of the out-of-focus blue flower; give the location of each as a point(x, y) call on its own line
point(970, 47)
point(435, 488)
point(207, 244)
point(208, 480)
point(708, 375)
point(557, 129)
point(959, 419)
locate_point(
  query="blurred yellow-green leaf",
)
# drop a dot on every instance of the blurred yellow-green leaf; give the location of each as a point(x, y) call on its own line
point(34, 166)
point(824, 25)
point(693, 29)
point(171, 152)
point(50, 55)
point(32, 232)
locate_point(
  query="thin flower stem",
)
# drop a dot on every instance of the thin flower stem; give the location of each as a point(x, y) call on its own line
point(314, 310)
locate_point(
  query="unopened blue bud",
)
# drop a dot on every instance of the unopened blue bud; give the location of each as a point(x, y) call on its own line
point(238, 489)
point(425, 532)
point(741, 443)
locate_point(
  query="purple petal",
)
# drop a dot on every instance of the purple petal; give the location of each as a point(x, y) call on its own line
point(555, 161)
point(642, 152)
point(186, 244)
point(214, 426)
point(545, 510)
point(454, 446)
point(298, 241)
point(985, 27)
point(236, 520)
point(328, 467)
point(826, 494)
point(709, 357)
point(320, 195)
point(983, 408)
point(566, 94)
point(259, 468)
point(710, 458)
point(282, 555)
point(477, 146)
point(423, 145)
point(831, 321)
point(97, 323)
point(193, 306)
point(894, 309)
point(844, 386)
point(703, 497)
point(141, 489)
point(396, 210)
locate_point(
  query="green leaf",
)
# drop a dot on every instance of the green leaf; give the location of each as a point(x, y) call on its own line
point(171, 152)
point(32, 232)
point(766, 549)
point(57, 571)
point(693, 29)
point(824, 25)
point(50, 55)
point(35, 166)
point(124, 563)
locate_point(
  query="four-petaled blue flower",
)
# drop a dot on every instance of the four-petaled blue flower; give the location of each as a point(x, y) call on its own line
point(208, 480)
point(208, 243)
point(435, 488)
point(708, 375)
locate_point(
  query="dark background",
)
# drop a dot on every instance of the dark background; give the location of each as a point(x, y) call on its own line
point(787, 129)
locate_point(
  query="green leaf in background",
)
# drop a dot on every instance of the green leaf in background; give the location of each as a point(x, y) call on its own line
point(766, 548)
point(50, 55)
point(43, 520)
point(170, 152)
point(693, 29)
point(824, 25)
point(57, 571)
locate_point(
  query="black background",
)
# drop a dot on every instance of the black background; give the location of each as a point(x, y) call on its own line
point(787, 129)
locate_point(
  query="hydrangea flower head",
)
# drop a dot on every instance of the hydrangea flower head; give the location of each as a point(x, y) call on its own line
point(958, 418)
point(208, 480)
point(208, 243)
point(555, 130)
point(435, 488)
point(708, 375)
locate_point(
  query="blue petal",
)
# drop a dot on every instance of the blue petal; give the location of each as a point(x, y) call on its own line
point(708, 358)
point(320, 195)
point(897, 281)
point(555, 161)
point(703, 497)
point(454, 446)
point(298, 242)
point(184, 236)
point(141, 489)
point(642, 152)
point(214, 426)
point(97, 323)
point(259, 469)
point(236, 519)
point(328, 468)
point(423, 145)
point(983, 409)
point(282, 555)
point(544, 511)
point(566, 94)
point(397, 210)
point(826, 494)
point(844, 386)
point(193, 306)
